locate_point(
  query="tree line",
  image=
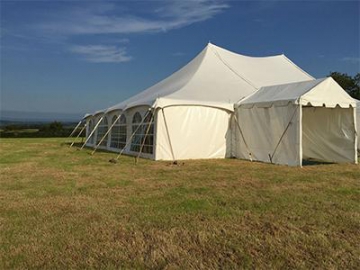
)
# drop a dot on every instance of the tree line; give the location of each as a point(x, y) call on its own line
point(28, 130)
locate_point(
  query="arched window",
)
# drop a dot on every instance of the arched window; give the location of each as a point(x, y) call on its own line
point(136, 128)
point(119, 132)
point(149, 134)
point(101, 131)
point(144, 133)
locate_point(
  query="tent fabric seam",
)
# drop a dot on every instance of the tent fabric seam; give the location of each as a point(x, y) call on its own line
point(230, 68)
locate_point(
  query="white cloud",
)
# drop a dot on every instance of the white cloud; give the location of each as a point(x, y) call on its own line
point(102, 54)
point(353, 60)
point(110, 22)
point(107, 19)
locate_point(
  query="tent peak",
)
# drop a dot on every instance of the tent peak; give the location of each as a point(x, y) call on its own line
point(242, 55)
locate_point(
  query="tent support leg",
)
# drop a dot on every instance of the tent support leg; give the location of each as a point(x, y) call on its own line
point(132, 135)
point(243, 137)
point(143, 142)
point(72, 133)
point(283, 134)
point(77, 136)
point(356, 135)
point(107, 132)
point(300, 134)
point(92, 132)
point(168, 134)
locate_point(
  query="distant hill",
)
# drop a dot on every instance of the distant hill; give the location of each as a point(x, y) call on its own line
point(9, 117)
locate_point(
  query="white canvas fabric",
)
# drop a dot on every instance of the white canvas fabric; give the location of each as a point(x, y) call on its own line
point(321, 92)
point(287, 123)
point(328, 134)
point(264, 134)
point(217, 78)
point(193, 132)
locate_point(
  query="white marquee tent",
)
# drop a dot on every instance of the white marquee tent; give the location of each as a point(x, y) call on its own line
point(190, 114)
point(287, 123)
point(187, 115)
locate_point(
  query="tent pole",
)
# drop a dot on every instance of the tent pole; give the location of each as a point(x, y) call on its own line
point(243, 137)
point(72, 133)
point(132, 135)
point(92, 132)
point(300, 127)
point(167, 132)
point(78, 135)
point(143, 142)
point(107, 132)
point(283, 134)
point(356, 134)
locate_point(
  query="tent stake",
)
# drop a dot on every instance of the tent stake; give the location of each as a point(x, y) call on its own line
point(77, 136)
point(107, 132)
point(92, 132)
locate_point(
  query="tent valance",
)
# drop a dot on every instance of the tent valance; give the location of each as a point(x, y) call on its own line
point(323, 92)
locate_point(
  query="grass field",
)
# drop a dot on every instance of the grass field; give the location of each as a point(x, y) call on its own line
point(61, 208)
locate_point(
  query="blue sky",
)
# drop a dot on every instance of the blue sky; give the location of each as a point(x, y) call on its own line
point(81, 56)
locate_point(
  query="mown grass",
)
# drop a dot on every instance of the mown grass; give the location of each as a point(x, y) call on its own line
point(61, 208)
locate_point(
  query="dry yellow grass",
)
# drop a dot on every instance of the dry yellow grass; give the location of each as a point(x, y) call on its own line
point(62, 208)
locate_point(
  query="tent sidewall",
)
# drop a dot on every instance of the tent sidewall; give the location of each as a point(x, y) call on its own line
point(192, 132)
point(271, 134)
point(329, 134)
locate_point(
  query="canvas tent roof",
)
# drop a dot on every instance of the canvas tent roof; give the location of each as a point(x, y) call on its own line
point(321, 92)
point(218, 78)
point(86, 116)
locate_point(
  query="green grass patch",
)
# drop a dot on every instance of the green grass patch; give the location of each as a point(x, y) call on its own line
point(63, 208)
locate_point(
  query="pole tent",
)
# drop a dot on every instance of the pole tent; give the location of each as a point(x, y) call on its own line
point(78, 135)
point(107, 132)
point(92, 132)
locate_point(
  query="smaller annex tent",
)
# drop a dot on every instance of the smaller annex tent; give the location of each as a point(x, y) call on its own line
point(287, 123)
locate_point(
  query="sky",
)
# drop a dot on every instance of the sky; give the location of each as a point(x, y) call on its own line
point(82, 56)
